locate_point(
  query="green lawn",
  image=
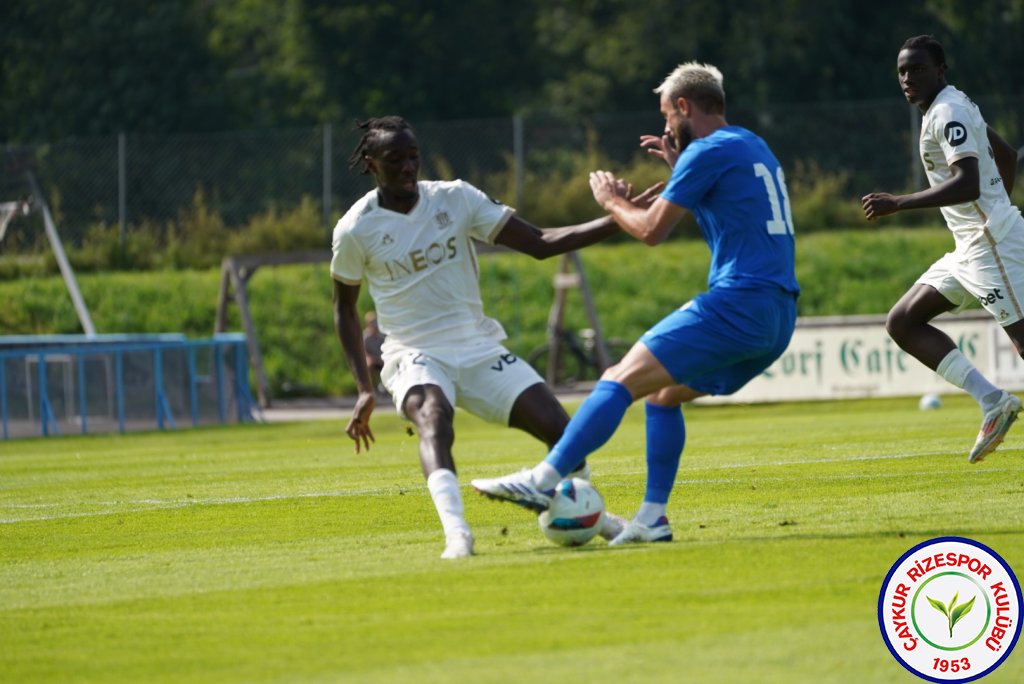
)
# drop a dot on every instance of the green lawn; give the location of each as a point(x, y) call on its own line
point(272, 553)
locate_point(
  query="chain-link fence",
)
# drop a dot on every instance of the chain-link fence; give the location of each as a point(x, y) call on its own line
point(131, 179)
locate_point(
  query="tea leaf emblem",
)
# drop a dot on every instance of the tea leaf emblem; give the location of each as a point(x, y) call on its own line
point(954, 613)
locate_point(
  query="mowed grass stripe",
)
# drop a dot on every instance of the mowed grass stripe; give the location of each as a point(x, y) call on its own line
point(46, 511)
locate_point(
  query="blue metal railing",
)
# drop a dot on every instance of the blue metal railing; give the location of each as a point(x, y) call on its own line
point(75, 350)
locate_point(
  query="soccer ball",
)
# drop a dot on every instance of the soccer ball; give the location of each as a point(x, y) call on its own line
point(930, 402)
point(575, 515)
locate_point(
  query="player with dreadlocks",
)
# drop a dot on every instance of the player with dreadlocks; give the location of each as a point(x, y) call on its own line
point(412, 242)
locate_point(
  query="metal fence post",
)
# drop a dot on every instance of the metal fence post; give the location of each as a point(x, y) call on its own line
point(327, 178)
point(122, 189)
point(83, 409)
point(518, 154)
point(3, 397)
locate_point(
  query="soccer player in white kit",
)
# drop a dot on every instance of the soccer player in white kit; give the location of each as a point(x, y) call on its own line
point(971, 173)
point(411, 241)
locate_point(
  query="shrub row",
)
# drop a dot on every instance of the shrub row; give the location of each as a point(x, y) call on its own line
point(198, 238)
point(841, 273)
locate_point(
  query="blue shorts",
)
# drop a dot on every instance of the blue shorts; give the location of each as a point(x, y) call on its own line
point(722, 339)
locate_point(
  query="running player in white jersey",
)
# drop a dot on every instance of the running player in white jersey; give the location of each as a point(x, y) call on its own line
point(970, 172)
point(412, 242)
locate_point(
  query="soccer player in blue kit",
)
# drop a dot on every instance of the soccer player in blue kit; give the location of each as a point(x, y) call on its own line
point(716, 343)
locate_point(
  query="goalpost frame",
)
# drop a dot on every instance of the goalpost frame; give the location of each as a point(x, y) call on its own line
point(235, 274)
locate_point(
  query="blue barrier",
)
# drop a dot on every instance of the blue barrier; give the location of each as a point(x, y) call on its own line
point(122, 383)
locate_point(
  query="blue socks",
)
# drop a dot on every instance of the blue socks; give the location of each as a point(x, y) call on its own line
point(593, 424)
point(597, 420)
point(666, 436)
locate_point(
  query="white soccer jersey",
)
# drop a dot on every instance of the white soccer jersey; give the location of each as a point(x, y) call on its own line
point(421, 267)
point(953, 129)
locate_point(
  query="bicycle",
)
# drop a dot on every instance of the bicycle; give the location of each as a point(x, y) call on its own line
point(577, 357)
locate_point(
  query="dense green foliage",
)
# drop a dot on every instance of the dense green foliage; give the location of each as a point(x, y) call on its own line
point(848, 272)
point(74, 68)
point(272, 553)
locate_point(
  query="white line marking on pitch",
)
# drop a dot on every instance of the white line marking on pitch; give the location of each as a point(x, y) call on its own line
point(145, 505)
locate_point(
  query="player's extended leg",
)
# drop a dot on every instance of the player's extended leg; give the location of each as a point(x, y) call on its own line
point(909, 325)
point(666, 437)
point(538, 412)
point(594, 423)
point(433, 415)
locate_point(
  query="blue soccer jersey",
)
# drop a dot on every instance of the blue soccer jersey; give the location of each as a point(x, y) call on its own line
point(735, 188)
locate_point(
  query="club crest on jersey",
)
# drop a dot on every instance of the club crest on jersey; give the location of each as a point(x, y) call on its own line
point(443, 219)
point(955, 133)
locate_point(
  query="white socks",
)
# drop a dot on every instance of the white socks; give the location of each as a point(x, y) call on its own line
point(650, 513)
point(444, 490)
point(957, 370)
point(545, 476)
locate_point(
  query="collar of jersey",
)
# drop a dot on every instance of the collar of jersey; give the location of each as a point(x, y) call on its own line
point(416, 208)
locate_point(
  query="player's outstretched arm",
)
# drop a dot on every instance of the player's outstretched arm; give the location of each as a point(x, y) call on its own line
point(524, 237)
point(962, 187)
point(350, 335)
point(528, 239)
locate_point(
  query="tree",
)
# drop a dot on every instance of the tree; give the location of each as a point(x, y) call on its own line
point(266, 56)
point(78, 68)
point(441, 60)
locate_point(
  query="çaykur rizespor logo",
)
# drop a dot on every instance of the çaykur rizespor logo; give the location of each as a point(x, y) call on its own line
point(949, 610)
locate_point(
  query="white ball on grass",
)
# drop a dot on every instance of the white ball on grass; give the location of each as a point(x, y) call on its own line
point(576, 514)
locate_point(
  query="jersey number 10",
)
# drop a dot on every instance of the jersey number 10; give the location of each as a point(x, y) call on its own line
point(781, 221)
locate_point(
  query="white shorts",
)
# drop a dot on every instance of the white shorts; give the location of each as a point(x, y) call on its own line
point(991, 274)
point(483, 378)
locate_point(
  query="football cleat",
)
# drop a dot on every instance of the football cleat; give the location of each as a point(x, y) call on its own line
point(612, 526)
point(636, 532)
point(994, 426)
point(458, 545)
point(517, 488)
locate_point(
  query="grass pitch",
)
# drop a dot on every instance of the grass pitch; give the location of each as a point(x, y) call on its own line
point(272, 553)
